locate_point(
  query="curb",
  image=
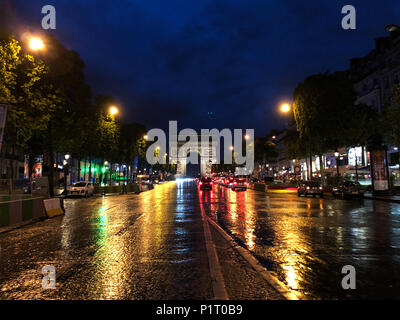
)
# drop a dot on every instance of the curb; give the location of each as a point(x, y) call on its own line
point(279, 286)
point(381, 199)
point(217, 279)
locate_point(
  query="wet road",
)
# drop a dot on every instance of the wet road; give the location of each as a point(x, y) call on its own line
point(151, 246)
point(147, 246)
point(308, 241)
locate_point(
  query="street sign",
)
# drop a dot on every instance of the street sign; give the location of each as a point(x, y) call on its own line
point(297, 169)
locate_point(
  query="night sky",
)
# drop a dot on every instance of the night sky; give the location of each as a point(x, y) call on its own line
point(183, 59)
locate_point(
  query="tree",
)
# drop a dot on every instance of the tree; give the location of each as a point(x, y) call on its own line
point(295, 146)
point(323, 110)
point(20, 89)
point(130, 141)
point(391, 118)
point(30, 101)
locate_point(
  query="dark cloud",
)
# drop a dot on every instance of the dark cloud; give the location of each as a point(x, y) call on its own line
point(181, 60)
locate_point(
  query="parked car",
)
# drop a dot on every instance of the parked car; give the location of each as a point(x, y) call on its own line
point(206, 183)
point(348, 189)
point(81, 188)
point(310, 188)
point(239, 184)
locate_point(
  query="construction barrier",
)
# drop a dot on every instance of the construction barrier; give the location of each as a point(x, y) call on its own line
point(17, 211)
point(54, 207)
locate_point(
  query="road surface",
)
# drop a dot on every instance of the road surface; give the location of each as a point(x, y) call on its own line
point(152, 246)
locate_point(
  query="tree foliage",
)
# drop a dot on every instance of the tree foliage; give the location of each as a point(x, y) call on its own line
point(324, 111)
point(29, 101)
point(265, 150)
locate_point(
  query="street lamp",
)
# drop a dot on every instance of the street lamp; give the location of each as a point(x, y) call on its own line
point(145, 137)
point(285, 108)
point(66, 173)
point(36, 44)
point(113, 110)
point(247, 137)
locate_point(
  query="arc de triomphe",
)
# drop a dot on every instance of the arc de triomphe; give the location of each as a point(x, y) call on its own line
point(207, 155)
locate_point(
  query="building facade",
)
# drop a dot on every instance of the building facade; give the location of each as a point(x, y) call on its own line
point(374, 77)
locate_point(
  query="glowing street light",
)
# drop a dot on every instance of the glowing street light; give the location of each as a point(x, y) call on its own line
point(113, 110)
point(145, 137)
point(247, 137)
point(231, 148)
point(36, 44)
point(285, 108)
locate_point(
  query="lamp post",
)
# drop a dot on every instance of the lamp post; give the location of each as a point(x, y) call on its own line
point(66, 173)
point(105, 172)
point(337, 163)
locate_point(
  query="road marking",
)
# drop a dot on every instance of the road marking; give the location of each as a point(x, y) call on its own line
point(217, 280)
point(279, 286)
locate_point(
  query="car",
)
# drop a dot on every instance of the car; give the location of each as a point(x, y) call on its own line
point(206, 184)
point(81, 188)
point(310, 188)
point(351, 189)
point(239, 184)
point(229, 181)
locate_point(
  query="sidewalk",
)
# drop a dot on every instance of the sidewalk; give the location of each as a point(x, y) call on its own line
point(395, 199)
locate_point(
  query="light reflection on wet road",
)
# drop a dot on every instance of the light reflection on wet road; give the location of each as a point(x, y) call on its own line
point(147, 246)
point(308, 241)
point(151, 246)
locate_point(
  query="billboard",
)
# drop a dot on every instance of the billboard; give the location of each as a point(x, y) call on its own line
point(379, 173)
